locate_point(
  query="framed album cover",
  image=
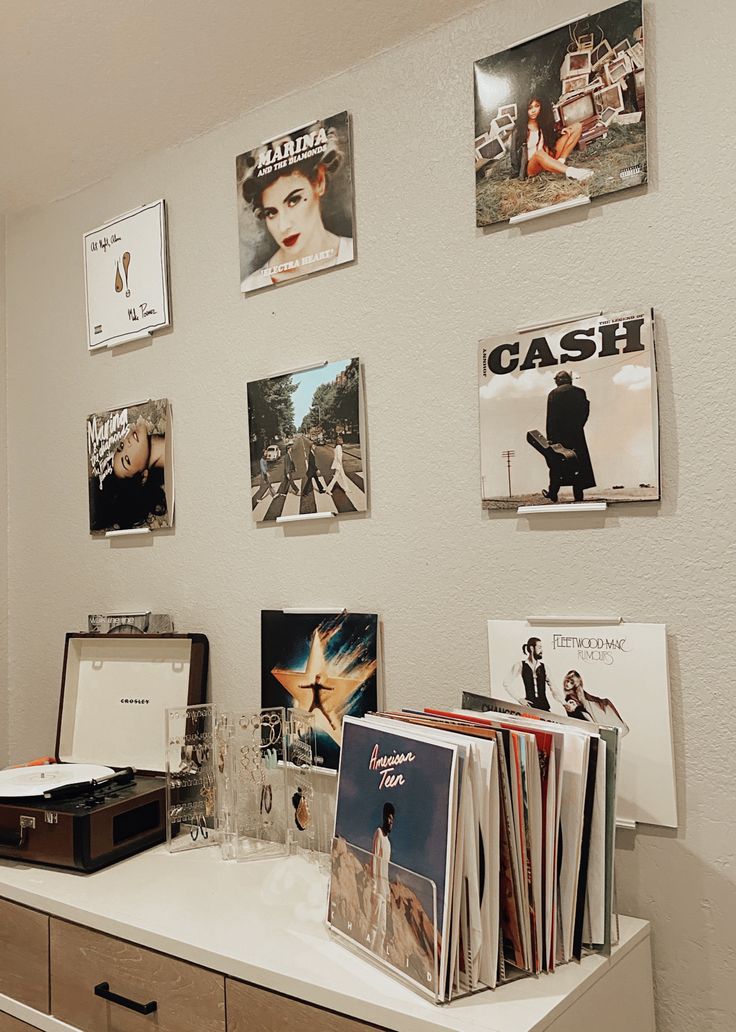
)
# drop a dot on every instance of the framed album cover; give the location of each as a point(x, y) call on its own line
point(307, 445)
point(295, 204)
point(569, 412)
point(130, 467)
point(126, 277)
point(558, 84)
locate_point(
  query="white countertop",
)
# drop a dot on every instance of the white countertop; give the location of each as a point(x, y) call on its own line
point(263, 922)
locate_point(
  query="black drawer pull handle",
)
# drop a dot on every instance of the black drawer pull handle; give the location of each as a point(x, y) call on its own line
point(103, 990)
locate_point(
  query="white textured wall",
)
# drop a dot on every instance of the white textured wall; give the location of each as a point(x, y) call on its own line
point(426, 287)
point(3, 517)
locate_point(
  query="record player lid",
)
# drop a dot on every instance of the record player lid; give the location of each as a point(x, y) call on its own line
point(115, 693)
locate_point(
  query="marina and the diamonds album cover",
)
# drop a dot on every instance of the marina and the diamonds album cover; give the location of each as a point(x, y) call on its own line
point(324, 664)
point(395, 800)
point(129, 467)
point(568, 412)
point(561, 116)
point(615, 675)
point(295, 204)
point(307, 450)
point(126, 277)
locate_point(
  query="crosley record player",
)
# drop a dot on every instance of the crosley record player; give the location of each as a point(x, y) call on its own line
point(104, 799)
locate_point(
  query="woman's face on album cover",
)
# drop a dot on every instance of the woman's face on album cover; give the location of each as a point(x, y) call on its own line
point(131, 457)
point(534, 109)
point(290, 207)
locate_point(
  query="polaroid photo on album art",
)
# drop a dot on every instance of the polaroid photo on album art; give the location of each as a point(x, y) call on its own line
point(558, 147)
point(130, 468)
point(569, 413)
point(307, 445)
point(614, 676)
point(391, 859)
point(326, 664)
point(295, 204)
point(126, 277)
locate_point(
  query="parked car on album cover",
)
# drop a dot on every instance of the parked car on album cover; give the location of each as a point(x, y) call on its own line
point(273, 453)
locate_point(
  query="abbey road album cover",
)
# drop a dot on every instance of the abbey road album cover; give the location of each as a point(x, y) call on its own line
point(126, 277)
point(324, 664)
point(614, 675)
point(295, 204)
point(307, 450)
point(393, 841)
point(129, 467)
point(568, 412)
point(561, 116)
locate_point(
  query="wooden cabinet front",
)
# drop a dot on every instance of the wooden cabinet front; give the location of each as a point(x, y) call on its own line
point(24, 955)
point(250, 1009)
point(187, 998)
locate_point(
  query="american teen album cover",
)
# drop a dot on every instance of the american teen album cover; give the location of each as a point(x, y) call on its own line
point(568, 412)
point(307, 450)
point(324, 664)
point(395, 800)
point(129, 467)
point(561, 116)
point(613, 675)
point(295, 204)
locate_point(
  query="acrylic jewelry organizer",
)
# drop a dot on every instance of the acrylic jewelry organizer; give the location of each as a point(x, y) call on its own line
point(190, 777)
point(242, 781)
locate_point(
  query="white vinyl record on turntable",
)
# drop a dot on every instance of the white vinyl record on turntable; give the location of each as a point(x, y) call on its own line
point(26, 782)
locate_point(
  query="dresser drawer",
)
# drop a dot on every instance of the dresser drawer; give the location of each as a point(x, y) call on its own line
point(24, 955)
point(250, 1009)
point(8, 1024)
point(187, 998)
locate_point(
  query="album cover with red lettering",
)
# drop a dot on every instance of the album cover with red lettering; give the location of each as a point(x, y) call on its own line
point(295, 204)
point(569, 413)
point(393, 849)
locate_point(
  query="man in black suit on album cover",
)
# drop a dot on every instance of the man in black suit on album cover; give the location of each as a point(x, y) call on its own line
point(568, 409)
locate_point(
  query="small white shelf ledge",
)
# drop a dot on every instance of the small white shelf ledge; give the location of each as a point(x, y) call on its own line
point(527, 216)
point(132, 532)
point(302, 518)
point(573, 508)
point(264, 923)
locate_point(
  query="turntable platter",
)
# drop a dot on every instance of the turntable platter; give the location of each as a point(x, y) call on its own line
point(27, 782)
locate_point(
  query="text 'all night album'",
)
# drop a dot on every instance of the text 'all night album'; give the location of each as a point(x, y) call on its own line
point(561, 117)
point(130, 468)
point(307, 444)
point(569, 413)
point(295, 204)
point(326, 664)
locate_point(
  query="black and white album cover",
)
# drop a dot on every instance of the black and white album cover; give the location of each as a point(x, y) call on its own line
point(568, 413)
point(129, 467)
point(295, 204)
point(561, 116)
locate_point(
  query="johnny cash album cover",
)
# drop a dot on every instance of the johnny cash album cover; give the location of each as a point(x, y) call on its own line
point(295, 204)
point(561, 116)
point(129, 468)
point(325, 664)
point(568, 413)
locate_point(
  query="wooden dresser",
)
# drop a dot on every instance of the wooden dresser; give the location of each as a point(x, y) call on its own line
point(190, 944)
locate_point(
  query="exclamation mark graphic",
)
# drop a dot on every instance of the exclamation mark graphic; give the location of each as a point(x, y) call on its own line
point(126, 266)
point(118, 278)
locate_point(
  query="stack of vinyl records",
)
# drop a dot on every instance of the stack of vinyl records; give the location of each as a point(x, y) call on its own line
point(473, 848)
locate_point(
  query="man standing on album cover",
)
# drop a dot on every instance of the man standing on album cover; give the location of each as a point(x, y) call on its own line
point(568, 409)
point(381, 888)
point(533, 675)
